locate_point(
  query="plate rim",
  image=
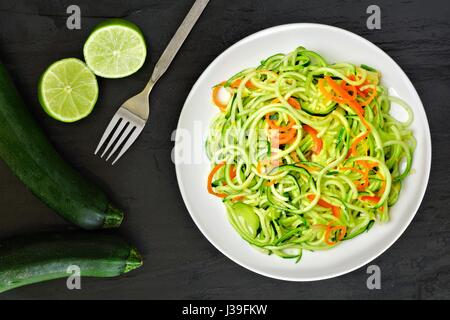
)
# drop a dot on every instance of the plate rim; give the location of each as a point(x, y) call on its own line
point(427, 138)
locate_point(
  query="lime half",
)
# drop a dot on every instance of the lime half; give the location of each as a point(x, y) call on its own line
point(115, 49)
point(68, 90)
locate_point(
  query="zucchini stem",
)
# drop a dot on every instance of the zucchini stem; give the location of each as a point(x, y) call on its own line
point(134, 260)
point(113, 219)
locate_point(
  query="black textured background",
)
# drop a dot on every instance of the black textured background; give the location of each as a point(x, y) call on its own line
point(179, 261)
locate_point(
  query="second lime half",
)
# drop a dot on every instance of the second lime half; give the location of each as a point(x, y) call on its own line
point(115, 49)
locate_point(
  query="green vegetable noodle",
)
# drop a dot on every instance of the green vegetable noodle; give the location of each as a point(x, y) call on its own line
point(30, 259)
point(306, 154)
point(28, 153)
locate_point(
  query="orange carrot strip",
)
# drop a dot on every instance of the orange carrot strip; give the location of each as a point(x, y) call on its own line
point(350, 88)
point(342, 231)
point(294, 103)
point(328, 94)
point(374, 199)
point(371, 97)
point(285, 133)
point(354, 105)
point(236, 83)
point(232, 172)
point(335, 210)
point(215, 97)
point(365, 176)
point(238, 198)
point(355, 143)
point(345, 96)
point(354, 170)
point(367, 164)
point(318, 143)
point(210, 178)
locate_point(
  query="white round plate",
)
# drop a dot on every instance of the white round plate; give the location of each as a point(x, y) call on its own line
point(208, 212)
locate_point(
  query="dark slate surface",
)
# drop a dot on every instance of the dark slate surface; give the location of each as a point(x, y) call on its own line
point(180, 262)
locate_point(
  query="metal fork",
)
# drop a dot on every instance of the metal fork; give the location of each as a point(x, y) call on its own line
point(129, 121)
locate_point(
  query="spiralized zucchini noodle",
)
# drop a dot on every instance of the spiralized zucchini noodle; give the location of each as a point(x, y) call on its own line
point(305, 154)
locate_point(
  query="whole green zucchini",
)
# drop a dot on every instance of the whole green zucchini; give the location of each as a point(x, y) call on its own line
point(26, 150)
point(30, 259)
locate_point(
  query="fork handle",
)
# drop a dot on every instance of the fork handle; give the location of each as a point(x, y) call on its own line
point(175, 44)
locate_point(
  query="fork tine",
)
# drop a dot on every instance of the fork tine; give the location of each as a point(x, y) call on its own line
point(108, 130)
point(129, 142)
point(122, 138)
point(120, 128)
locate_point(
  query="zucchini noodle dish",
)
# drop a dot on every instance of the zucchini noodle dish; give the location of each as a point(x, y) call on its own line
point(305, 154)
